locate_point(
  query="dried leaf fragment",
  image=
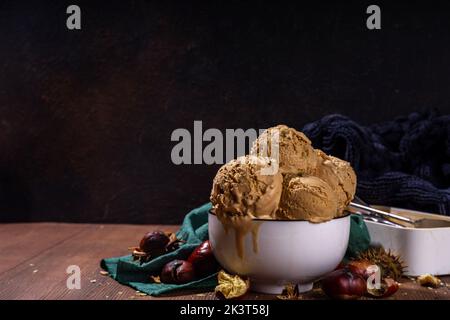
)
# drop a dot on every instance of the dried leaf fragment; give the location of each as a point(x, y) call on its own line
point(428, 280)
point(231, 286)
point(141, 294)
point(290, 292)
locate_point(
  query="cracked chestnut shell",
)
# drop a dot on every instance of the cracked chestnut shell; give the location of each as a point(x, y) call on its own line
point(154, 243)
point(203, 260)
point(388, 288)
point(177, 272)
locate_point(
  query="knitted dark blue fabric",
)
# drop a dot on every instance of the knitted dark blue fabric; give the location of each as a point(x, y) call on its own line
point(403, 163)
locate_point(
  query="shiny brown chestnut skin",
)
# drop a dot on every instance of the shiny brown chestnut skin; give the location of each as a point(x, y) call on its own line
point(203, 260)
point(154, 243)
point(177, 272)
point(360, 267)
point(342, 284)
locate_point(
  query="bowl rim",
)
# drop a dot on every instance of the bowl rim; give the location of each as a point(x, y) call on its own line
point(297, 220)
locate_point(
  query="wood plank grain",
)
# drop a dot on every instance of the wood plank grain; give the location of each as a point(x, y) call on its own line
point(47, 278)
point(40, 273)
point(21, 242)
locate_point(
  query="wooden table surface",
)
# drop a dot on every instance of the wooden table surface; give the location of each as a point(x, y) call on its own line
point(34, 258)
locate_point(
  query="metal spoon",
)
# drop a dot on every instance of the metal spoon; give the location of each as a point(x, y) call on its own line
point(379, 220)
point(419, 223)
point(367, 215)
point(383, 214)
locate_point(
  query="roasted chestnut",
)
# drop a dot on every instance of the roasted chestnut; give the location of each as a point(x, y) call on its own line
point(178, 272)
point(387, 288)
point(203, 260)
point(361, 268)
point(342, 284)
point(172, 246)
point(174, 243)
point(154, 243)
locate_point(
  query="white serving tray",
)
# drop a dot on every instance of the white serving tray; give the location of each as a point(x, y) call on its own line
point(424, 250)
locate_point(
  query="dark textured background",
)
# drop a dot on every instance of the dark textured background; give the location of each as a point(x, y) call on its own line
point(86, 116)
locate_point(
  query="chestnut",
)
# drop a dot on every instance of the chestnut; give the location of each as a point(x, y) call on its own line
point(178, 272)
point(173, 245)
point(342, 284)
point(203, 260)
point(387, 288)
point(361, 268)
point(154, 243)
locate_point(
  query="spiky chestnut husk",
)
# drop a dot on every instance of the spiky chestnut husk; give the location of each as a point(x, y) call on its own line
point(390, 264)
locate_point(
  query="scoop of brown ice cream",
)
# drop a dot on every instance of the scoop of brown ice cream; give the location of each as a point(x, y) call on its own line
point(307, 198)
point(241, 188)
point(295, 153)
point(340, 176)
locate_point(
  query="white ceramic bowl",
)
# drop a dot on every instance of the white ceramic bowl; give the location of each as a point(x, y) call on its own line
point(296, 252)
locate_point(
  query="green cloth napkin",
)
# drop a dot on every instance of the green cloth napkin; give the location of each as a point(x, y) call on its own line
point(194, 231)
point(359, 237)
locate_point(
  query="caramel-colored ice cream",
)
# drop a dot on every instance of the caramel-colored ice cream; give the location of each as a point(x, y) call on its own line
point(241, 189)
point(340, 176)
point(307, 198)
point(295, 153)
point(309, 185)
